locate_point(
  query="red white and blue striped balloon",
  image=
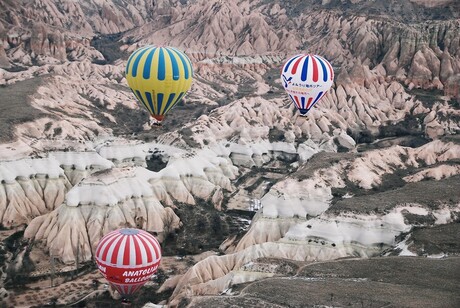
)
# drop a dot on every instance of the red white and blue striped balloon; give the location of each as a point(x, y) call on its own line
point(306, 78)
point(128, 258)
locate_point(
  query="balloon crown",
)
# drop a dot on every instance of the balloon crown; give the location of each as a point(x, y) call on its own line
point(129, 231)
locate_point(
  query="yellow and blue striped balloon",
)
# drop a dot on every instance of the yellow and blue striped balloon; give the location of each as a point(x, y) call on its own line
point(159, 77)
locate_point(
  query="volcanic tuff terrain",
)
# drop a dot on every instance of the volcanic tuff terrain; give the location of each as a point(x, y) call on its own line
point(372, 174)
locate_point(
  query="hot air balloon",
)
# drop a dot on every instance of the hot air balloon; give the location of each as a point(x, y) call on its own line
point(306, 78)
point(127, 258)
point(159, 78)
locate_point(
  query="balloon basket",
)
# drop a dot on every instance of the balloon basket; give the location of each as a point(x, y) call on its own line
point(125, 302)
point(155, 122)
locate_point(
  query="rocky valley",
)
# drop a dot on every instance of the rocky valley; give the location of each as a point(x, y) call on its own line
point(357, 204)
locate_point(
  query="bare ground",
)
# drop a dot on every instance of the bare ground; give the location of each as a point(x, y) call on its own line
point(89, 289)
point(430, 193)
point(15, 107)
point(438, 240)
point(378, 282)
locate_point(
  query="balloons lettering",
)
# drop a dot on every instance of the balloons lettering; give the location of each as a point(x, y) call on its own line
point(127, 258)
point(306, 78)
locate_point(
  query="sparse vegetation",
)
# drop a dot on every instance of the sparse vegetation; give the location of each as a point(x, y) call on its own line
point(57, 131)
point(429, 193)
point(109, 46)
point(355, 283)
point(156, 162)
point(412, 125)
point(276, 135)
point(15, 107)
point(199, 222)
point(427, 97)
point(441, 239)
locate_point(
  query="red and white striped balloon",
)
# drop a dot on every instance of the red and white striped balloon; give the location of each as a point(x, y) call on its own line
point(127, 258)
point(306, 78)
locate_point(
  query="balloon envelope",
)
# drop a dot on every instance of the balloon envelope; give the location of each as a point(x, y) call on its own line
point(159, 77)
point(127, 258)
point(306, 78)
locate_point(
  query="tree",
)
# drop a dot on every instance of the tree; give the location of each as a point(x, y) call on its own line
point(216, 224)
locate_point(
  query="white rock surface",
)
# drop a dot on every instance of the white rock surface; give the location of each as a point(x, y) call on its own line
point(126, 196)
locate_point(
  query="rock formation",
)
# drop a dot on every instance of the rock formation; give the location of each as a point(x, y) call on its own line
point(377, 157)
